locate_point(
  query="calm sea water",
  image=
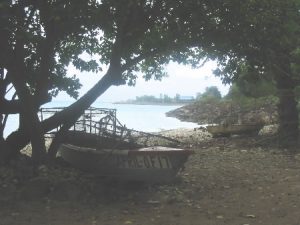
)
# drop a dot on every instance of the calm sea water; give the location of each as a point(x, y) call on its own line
point(149, 118)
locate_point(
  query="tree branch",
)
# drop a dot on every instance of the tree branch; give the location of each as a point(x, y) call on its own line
point(138, 59)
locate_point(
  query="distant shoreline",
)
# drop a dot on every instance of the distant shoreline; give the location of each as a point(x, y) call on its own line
point(149, 103)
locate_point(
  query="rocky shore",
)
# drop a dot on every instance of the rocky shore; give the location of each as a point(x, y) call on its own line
point(224, 112)
point(194, 136)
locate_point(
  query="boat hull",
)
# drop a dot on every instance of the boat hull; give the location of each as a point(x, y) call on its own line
point(227, 130)
point(151, 164)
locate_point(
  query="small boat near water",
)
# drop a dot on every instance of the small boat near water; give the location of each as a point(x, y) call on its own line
point(148, 164)
point(99, 144)
point(225, 130)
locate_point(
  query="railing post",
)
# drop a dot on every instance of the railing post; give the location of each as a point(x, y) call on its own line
point(90, 120)
point(114, 122)
point(41, 114)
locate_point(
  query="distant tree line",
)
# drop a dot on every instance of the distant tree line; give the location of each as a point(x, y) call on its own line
point(245, 96)
point(162, 99)
point(210, 92)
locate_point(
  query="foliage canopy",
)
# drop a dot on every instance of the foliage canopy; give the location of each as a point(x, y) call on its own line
point(39, 39)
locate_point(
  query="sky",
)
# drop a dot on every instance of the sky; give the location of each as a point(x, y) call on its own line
point(182, 80)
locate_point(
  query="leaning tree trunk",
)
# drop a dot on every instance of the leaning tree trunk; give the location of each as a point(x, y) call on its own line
point(288, 113)
point(69, 115)
point(18, 139)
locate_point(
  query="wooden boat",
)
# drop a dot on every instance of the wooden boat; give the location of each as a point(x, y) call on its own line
point(100, 144)
point(148, 164)
point(225, 130)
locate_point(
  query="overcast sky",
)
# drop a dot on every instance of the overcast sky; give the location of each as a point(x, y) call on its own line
point(182, 80)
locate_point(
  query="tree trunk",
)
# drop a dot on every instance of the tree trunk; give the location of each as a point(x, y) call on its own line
point(288, 113)
point(3, 150)
point(59, 138)
point(32, 125)
point(69, 115)
point(17, 74)
point(18, 139)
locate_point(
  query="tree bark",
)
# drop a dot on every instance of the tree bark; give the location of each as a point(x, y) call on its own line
point(3, 149)
point(28, 111)
point(288, 113)
point(31, 122)
point(59, 138)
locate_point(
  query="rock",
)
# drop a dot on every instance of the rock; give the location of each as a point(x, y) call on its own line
point(43, 169)
point(153, 202)
point(269, 130)
point(185, 135)
point(251, 216)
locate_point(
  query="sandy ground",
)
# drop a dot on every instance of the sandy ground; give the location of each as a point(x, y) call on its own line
point(227, 181)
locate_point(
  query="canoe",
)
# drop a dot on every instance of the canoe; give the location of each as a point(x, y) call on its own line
point(225, 130)
point(148, 164)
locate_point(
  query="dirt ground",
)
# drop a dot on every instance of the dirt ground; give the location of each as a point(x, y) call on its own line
point(227, 181)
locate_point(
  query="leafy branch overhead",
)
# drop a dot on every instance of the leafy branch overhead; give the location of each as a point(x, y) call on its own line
point(250, 39)
point(41, 39)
